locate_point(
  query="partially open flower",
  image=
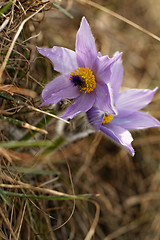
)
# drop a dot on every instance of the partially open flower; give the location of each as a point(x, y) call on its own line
point(85, 75)
point(128, 103)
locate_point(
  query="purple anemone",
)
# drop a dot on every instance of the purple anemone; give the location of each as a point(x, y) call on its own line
point(128, 103)
point(85, 75)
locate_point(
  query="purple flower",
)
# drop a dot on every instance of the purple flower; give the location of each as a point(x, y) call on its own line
point(84, 75)
point(128, 103)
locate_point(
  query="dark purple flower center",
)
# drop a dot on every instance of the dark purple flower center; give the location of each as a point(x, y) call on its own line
point(84, 79)
point(76, 80)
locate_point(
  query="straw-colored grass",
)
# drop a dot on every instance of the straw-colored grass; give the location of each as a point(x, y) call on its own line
point(59, 179)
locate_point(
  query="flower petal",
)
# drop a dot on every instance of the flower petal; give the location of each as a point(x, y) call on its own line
point(134, 99)
point(55, 98)
point(64, 59)
point(81, 104)
point(85, 46)
point(116, 76)
point(104, 98)
point(120, 135)
point(56, 85)
point(95, 117)
point(69, 92)
point(104, 65)
point(137, 120)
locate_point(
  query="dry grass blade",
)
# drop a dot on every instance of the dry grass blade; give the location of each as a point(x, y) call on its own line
point(14, 41)
point(131, 201)
point(131, 226)
point(43, 190)
point(21, 219)
point(13, 89)
point(104, 9)
point(2, 236)
point(89, 156)
point(6, 112)
point(38, 189)
point(33, 108)
point(121, 231)
point(5, 154)
point(8, 224)
point(4, 24)
point(46, 113)
point(23, 124)
point(28, 126)
point(74, 202)
point(95, 222)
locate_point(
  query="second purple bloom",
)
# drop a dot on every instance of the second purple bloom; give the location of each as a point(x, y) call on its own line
point(128, 117)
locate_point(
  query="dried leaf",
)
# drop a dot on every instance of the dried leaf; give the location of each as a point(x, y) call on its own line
point(13, 89)
point(11, 155)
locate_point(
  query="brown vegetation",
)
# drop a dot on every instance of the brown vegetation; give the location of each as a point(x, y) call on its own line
point(113, 196)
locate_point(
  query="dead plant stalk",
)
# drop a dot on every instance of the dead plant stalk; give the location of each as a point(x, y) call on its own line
point(14, 41)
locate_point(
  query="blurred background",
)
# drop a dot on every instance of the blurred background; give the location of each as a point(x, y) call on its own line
point(46, 162)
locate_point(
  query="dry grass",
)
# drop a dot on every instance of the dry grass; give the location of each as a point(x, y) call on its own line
point(59, 180)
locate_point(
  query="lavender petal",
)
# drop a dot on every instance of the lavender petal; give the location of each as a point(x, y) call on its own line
point(85, 46)
point(116, 76)
point(56, 85)
point(64, 59)
point(104, 99)
point(81, 104)
point(119, 135)
point(104, 65)
point(69, 92)
point(134, 99)
point(137, 120)
point(95, 117)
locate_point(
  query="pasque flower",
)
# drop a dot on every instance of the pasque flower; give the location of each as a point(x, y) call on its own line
point(85, 75)
point(128, 104)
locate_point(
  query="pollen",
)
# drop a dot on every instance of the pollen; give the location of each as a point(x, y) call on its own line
point(84, 78)
point(107, 119)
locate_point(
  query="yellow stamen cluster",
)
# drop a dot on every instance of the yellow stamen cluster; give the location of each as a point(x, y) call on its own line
point(88, 79)
point(107, 119)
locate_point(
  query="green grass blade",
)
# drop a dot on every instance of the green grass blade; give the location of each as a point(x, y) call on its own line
point(39, 143)
point(31, 171)
point(4, 197)
point(52, 198)
point(5, 8)
point(63, 10)
point(23, 124)
point(12, 99)
point(51, 148)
